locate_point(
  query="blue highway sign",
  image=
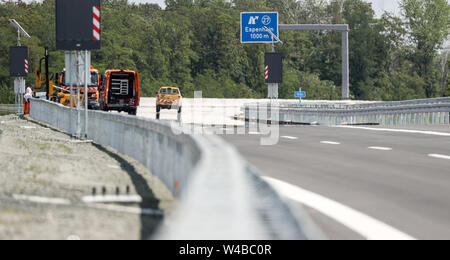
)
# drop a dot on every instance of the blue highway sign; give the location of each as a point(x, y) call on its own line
point(300, 94)
point(253, 27)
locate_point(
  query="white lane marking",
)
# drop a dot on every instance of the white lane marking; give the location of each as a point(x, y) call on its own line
point(440, 156)
point(129, 210)
point(330, 142)
point(81, 141)
point(113, 199)
point(254, 133)
point(397, 130)
point(362, 224)
point(42, 200)
point(290, 137)
point(27, 127)
point(380, 148)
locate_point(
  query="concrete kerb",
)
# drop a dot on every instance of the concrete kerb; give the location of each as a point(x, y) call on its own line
point(218, 193)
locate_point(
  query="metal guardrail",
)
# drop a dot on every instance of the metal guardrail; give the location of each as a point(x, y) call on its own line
point(422, 111)
point(221, 196)
point(7, 109)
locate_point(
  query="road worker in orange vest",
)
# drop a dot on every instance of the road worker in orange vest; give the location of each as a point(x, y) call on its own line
point(27, 97)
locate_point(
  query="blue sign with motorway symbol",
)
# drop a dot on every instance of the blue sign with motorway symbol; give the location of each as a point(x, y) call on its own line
point(253, 27)
point(300, 94)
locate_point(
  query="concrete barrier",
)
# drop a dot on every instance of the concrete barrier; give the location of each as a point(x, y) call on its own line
point(221, 197)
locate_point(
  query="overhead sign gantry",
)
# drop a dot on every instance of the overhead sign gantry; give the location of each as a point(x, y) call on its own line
point(263, 27)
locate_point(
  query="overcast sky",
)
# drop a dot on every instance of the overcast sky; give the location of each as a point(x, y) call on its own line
point(379, 5)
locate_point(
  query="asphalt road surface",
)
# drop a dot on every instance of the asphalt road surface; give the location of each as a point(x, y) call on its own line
point(361, 183)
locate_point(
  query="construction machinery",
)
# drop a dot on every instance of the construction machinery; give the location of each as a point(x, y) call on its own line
point(63, 96)
point(120, 91)
point(45, 79)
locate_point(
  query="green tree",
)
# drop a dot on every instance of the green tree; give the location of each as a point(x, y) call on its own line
point(428, 23)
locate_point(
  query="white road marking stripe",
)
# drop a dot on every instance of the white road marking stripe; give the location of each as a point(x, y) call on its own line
point(129, 210)
point(80, 141)
point(254, 133)
point(42, 200)
point(440, 156)
point(290, 137)
point(380, 148)
point(397, 130)
point(329, 142)
point(364, 225)
point(113, 199)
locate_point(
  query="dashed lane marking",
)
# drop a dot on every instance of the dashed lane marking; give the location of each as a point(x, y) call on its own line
point(290, 137)
point(440, 156)
point(380, 148)
point(330, 142)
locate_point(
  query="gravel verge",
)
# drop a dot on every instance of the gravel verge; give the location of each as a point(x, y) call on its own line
point(38, 161)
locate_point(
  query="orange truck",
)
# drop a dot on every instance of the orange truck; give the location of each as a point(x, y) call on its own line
point(120, 91)
point(93, 94)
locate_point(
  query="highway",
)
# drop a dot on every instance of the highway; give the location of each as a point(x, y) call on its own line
point(361, 183)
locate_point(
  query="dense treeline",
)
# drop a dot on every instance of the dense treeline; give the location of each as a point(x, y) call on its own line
point(196, 45)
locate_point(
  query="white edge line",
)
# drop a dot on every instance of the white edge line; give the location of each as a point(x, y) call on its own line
point(362, 224)
point(42, 200)
point(440, 156)
point(396, 130)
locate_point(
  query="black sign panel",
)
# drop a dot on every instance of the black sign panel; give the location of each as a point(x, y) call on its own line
point(78, 25)
point(274, 67)
point(18, 60)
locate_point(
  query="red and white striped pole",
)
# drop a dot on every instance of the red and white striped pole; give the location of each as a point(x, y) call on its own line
point(267, 72)
point(96, 21)
point(26, 66)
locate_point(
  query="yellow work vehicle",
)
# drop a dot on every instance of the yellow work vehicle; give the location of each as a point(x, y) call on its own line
point(168, 98)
